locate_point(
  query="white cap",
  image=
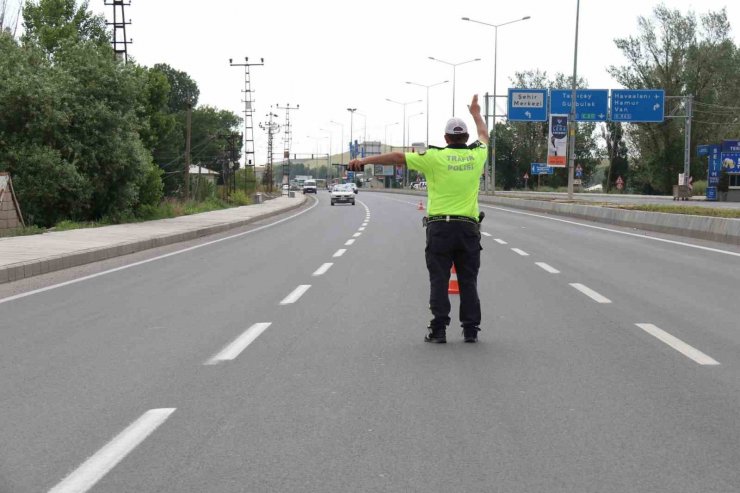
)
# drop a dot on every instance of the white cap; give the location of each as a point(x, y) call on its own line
point(455, 126)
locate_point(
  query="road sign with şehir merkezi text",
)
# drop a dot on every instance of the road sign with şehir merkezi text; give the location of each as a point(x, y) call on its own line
point(527, 105)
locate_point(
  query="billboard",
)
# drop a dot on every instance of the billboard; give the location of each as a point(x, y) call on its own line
point(557, 141)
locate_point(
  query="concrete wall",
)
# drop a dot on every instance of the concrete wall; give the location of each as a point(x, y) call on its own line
point(8, 214)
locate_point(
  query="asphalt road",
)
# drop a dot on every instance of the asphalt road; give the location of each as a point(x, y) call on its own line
point(213, 370)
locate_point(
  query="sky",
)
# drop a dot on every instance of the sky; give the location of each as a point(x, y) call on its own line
point(327, 56)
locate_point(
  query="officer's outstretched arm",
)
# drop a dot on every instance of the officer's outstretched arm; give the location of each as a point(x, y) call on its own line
point(480, 124)
point(387, 158)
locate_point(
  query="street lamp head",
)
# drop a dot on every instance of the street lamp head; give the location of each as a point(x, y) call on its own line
point(466, 18)
point(477, 60)
point(231, 60)
point(525, 18)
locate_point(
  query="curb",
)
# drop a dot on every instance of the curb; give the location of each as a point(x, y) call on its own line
point(720, 229)
point(15, 272)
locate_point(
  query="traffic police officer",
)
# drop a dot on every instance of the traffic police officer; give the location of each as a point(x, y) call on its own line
point(453, 226)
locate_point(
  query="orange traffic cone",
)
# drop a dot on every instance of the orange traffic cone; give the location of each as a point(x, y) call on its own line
point(421, 206)
point(454, 287)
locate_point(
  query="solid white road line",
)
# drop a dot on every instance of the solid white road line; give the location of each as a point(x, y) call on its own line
point(520, 252)
point(500, 242)
point(322, 270)
point(644, 237)
point(486, 234)
point(97, 466)
point(547, 267)
point(234, 349)
point(339, 252)
point(591, 293)
point(678, 345)
point(349, 242)
point(141, 262)
point(296, 294)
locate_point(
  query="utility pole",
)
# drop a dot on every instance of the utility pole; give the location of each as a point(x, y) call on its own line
point(249, 159)
point(572, 124)
point(287, 141)
point(271, 127)
point(687, 140)
point(120, 43)
point(231, 160)
point(688, 106)
point(188, 129)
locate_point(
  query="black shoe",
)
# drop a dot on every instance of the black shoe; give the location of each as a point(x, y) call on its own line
point(471, 334)
point(437, 336)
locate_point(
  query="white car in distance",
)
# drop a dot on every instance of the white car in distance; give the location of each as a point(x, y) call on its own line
point(342, 194)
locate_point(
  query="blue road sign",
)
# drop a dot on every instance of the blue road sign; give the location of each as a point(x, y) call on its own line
point(702, 150)
point(731, 155)
point(712, 193)
point(591, 104)
point(542, 169)
point(715, 165)
point(637, 105)
point(730, 146)
point(527, 105)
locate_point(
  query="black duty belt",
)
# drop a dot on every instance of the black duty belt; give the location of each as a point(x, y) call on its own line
point(466, 219)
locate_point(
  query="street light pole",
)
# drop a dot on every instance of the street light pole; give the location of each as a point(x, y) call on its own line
point(454, 67)
point(427, 88)
point(408, 123)
point(403, 143)
point(341, 156)
point(329, 170)
point(364, 127)
point(386, 135)
point(351, 137)
point(492, 144)
point(572, 126)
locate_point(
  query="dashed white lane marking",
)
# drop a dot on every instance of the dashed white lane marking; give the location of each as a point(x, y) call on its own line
point(520, 252)
point(357, 235)
point(591, 293)
point(653, 238)
point(234, 349)
point(159, 257)
point(548, 268)
point(678, 345)
point(84, 477)
point(364, 225)
point(500, 242)
point(486, 234)
point(361, 229)
point(296, 294)
point(322, 270)
point(339, 252)
point(349, 242)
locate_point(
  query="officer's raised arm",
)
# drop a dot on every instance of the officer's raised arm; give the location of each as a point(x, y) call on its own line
point(387, 158)
point(480, 125)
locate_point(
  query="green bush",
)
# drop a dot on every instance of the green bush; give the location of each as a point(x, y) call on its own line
point(239, 198)
point(151, 187)
point(700, 188)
